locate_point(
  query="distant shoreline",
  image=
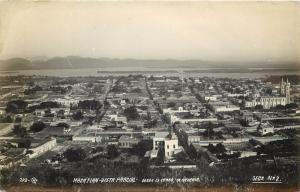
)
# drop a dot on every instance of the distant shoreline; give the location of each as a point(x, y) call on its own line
point(119, 71)
point(8, 72)
point(162, 69)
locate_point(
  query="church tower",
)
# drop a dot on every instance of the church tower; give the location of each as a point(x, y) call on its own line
point(282, 87)
point(287, 92)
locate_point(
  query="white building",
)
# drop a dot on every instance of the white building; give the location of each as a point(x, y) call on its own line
point(39, 112)
point(194, 139)
point(166, 141)
point(266, 102)
point(225, 108)
point(172, 111)
point(175, 118)
point(236, 95)
point(117, 118)
point(248, 154)
point(210, 98)
point(67, 101)
point(87, 138)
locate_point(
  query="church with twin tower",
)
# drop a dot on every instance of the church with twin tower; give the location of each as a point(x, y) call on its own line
point(285, 90)
point(272, 101)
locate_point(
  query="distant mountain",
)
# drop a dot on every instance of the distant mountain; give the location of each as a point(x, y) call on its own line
point(75, 62)
point(15, 64)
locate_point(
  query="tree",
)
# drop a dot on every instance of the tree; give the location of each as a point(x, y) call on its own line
point(211, 148)
point(61, 113)
point(33, 90)
point(241, 97)
point(16, 106)
point(73, 155)
point(219, 148)
point(112, 152)
point(280, 107)
point(50, 175)
point(19, 131)
point(171, 105)
point(6, 119)
point(48, 113)
point(254, 142)
point(64, 125)
point(106, 103)
point(78, 115)
point(48, 104)
point(136, 90)
point(291, 106)
point(160, 156)
point(18, 119)
point(131, 113)
point(37, 126)
point(151, 123)
point(89, 104)
point(98, 88)
point(141, 148)
point(119, 89)
point(258, 107)
point(24, 144)
point(89, 85)
point(269, 90)
point(209, 132)
point(226, 156)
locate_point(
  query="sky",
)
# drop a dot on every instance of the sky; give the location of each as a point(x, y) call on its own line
point(215, 31)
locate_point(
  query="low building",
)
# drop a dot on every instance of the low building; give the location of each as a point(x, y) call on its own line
point(117, 118)
point(174, 118)
point(136, 123)
point(246, 115)
point(247, 154)
point(219, 107)
point(126, 141)
point(210, 98)
point(172, 111)
point(39, 112)
point(194, 139)
point(265, 128)
point(87, 138)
